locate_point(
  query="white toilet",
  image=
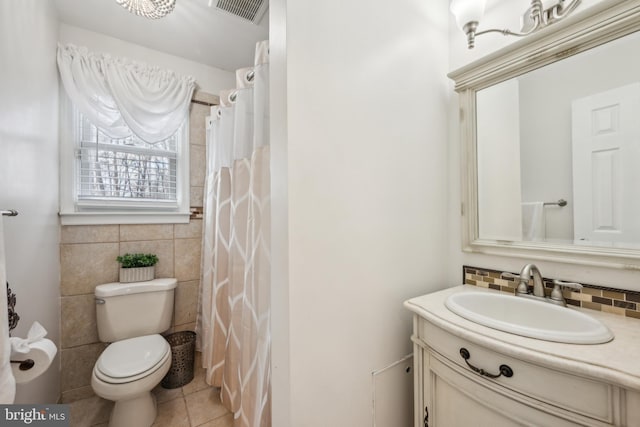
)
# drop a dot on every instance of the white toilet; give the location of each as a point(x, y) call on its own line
point(130, 316)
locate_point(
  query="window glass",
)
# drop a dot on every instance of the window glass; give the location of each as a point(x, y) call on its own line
point(125, 169)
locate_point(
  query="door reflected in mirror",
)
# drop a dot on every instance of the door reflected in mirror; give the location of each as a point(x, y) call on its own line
point(567, 131)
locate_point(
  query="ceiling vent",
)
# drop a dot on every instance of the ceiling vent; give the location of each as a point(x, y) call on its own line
point(250, 10)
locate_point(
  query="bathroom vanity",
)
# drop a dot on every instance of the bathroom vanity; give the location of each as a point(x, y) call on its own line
point(466, 374)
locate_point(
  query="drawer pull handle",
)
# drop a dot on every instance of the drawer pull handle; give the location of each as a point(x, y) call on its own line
point(505, 370)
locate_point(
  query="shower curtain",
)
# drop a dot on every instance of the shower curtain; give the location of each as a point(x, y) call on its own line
point(233, 319)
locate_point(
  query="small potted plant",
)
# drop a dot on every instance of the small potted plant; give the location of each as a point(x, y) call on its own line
point(137, 267)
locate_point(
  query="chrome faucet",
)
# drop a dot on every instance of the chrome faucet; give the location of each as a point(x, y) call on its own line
point(530, 270)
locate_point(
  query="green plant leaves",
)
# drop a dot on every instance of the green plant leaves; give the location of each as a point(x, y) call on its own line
point(137, 260)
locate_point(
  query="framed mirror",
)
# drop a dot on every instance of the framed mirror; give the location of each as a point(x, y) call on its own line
point(550, 132)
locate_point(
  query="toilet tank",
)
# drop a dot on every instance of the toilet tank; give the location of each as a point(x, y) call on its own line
point(127, 310)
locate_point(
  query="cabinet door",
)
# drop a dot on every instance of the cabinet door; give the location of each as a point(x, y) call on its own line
point(632, 407)
point(458, 398)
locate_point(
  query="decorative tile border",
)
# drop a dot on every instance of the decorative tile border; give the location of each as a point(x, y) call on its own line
point(196, 213)
point(610, 300)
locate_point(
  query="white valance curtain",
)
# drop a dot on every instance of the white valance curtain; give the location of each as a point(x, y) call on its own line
point(121, 96)
point(234, 310)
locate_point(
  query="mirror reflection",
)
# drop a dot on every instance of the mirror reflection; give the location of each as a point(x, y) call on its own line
point(570, 132)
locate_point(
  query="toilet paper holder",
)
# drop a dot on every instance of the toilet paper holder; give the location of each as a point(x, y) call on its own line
point(31, 356)
point(25, 364)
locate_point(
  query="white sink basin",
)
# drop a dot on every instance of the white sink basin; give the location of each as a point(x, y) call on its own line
point(529, 318)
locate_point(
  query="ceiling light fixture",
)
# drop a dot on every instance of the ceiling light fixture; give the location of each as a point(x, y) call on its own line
point(469, 12)
point(152, 9)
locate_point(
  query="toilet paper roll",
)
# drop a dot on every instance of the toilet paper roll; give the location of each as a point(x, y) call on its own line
point(42, 353)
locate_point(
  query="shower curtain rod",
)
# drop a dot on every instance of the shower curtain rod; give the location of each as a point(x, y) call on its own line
point(207, 104)
point(9, 212)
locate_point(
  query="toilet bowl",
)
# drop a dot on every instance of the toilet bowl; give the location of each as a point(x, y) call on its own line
point(131, 317)
point(126, 372)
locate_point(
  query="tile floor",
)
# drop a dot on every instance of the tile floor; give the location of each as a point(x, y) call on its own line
point(193, 405)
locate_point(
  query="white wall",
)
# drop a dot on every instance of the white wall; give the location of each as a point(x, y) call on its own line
point(210, 79)
point(360, 106)
point(503, 14)
point(29, 173)
point(280, 324)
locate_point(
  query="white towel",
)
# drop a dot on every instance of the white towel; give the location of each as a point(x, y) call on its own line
point(533, 221)
point(7, 381)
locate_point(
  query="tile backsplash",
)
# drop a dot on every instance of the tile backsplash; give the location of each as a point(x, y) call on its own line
point(609, 300)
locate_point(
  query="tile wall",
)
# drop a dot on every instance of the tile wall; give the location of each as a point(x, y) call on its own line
point(610, 300)
point(88, 258)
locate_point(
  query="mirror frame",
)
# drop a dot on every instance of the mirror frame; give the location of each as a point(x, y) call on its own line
point(599, 24)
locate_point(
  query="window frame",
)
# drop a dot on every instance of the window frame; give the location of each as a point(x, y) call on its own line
point(94, 212)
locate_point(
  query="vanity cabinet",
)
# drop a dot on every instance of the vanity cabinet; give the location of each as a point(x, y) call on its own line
point(537, 391)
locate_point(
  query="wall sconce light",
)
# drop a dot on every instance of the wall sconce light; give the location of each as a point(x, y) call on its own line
point(469, 12)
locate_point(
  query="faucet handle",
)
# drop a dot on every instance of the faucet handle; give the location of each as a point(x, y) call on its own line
point(509, 275)
point(556, 293)
point(571, 285)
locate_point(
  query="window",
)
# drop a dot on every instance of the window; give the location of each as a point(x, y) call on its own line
point(124, 170)
point(123, 180)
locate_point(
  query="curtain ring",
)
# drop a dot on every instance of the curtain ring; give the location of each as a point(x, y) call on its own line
point(250, 76)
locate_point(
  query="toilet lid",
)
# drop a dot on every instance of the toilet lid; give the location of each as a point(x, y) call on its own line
point(132, 356)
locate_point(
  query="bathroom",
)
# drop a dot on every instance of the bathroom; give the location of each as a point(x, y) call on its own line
point(366, 195)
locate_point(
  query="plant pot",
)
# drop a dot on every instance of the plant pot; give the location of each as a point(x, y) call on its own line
point(137, 274)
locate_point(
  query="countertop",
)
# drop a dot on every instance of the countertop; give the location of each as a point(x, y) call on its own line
point(615, 362)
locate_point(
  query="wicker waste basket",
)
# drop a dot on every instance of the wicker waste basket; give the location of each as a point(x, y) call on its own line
point(183, 348)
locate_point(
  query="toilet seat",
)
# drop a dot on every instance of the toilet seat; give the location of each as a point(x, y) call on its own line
point(131, 359)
